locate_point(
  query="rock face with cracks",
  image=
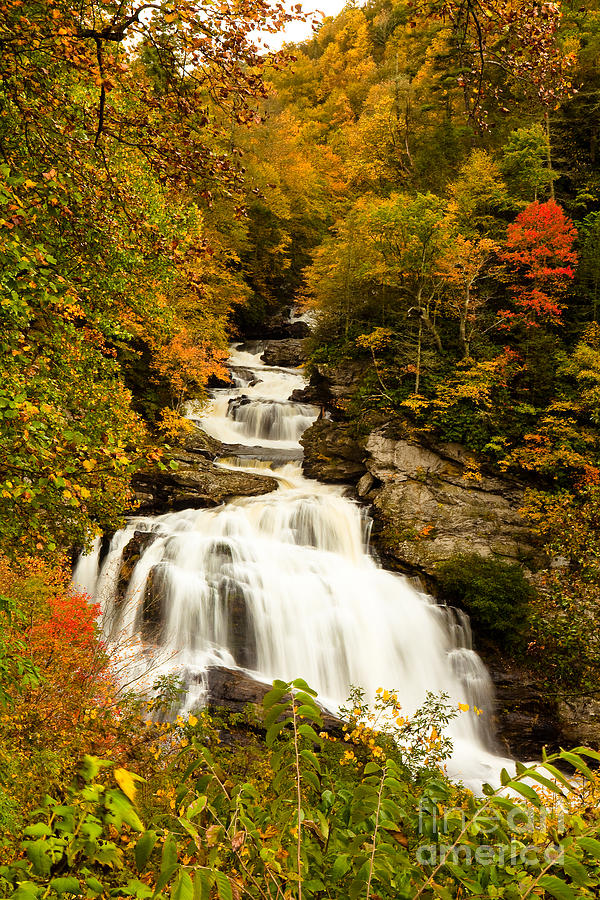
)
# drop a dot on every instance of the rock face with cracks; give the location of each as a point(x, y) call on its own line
point(432, 502)
point(428, 502)
point(195, 484)
point(286, 353)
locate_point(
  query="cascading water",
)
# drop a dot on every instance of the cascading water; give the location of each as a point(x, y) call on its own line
point(282, 585)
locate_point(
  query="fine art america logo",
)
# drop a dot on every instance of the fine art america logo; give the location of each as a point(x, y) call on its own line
point(504, 841)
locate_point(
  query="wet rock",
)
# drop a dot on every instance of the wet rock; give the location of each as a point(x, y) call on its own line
point(287, 353)
point(196, 484)
point(198, 442)
point(248, 376)
point(332, 453)
point(580, 720)
point(531, 715)
point(240, 639)
point(365, 485)
point(154, 604)
point(234, 689)
point(276, 456)
point(434, 503)
point(279, 326)
point(131, 556)
point(297, 330)
point(330, 386)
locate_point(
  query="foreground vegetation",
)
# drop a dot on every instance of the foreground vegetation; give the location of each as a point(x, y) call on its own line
point(266, 804)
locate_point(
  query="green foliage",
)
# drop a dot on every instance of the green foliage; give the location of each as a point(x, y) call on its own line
point(315, 820)
point(525, 163)
point(495, 594)
point(17, 671)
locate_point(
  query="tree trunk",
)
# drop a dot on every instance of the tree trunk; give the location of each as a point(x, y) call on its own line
point(549, 153)
point(463, 321)
point(418, 375)
point(432, 329)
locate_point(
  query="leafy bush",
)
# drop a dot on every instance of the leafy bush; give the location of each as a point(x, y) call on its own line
point(495, 594)
point(318, 817)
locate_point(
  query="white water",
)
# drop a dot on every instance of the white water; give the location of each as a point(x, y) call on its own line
point(283, 586)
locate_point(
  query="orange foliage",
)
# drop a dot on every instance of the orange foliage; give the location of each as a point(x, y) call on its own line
point(187, 365)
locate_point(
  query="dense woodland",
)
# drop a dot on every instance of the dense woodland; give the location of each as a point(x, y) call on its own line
point(424, 177)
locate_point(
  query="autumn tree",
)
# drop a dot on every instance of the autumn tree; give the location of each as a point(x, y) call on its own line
point(465, 263)
point(540, 260)
point(501, 50)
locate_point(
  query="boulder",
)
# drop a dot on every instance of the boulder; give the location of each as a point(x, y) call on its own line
point(198, 442)
point(130, 558)
point(331, 386)
point(241, 639)
point(154, 604)
point(332, 453)
point(195, 484)
point(432, 502)
point(286, 353)
point(234, 689)
point(529, 715)
point(279, 325)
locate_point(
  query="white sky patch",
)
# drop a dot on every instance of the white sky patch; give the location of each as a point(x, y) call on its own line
point(301, 31)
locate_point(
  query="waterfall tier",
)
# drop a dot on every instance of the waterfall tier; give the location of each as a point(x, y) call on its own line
point(282, 585)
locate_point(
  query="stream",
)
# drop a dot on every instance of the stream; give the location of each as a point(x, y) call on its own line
point(283, 585)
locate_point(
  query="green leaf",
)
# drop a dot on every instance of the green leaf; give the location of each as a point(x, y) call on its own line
point(590, 845)
point(201, 885)
point(223, 886)
point(183, 889)
point(39, 856)
point(121, 810)
point(91, 766)
point(340, 866)
point(27, 890)
point(526, 791)
point(38, 831)
point(557, 888)
point(300, 683)
point(144, 848)
point(67, 885)
point(575, 870)
point(577, 763)
point(560, 776)
point(196, 807)
point(547, 782)
point(311, 759)
point(138, 889)
point(94, 885)
point(108, 855)
point(587, 751)
point(275, 730)
point(169, 855)
point(273, 696)
point(278, 709)
point(309, 732)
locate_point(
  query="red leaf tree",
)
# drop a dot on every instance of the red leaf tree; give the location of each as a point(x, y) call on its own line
point(540, 261)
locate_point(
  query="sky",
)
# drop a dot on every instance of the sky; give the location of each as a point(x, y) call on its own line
point(300, 31)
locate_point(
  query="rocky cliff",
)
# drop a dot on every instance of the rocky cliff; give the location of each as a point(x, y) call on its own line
point(428, 501)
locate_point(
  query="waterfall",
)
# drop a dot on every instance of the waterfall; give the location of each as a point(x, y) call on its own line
point(282, 585)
